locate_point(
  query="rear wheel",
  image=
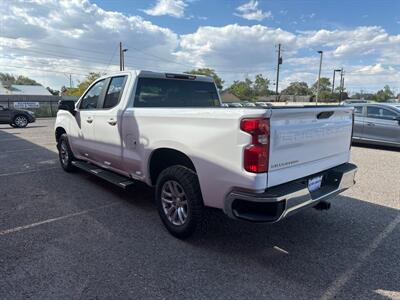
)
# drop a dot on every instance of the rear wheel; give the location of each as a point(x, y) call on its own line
point(20, 121)
point(179, 201)
point(65, 154)
point(13, 125)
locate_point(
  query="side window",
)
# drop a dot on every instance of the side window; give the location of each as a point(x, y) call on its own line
point(91, 99)
point(380, 113)
point(114, 91)
point(358, 110)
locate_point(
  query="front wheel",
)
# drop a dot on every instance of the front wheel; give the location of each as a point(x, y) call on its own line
point(65, 154)
point(179, 201)
point(20, 121)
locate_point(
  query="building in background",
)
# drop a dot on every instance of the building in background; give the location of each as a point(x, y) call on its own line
point(35, 98)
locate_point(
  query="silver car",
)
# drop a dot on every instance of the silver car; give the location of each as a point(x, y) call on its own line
point(377, 123)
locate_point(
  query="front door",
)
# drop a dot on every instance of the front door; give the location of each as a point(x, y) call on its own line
point(109, 125)
point(84, 141)
point(381, 124)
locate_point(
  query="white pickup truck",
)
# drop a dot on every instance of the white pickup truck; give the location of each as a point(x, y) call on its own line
point(171, 132)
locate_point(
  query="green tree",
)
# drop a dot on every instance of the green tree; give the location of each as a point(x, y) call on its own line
point(383, 95)
point(243, 89)
point(208, 72)
point(8, 78)
point(325, 92)
point(298, 88)
point(324, 85)
point(53, 92)
point(251, 90)
point(83, 85)
point(260, 86)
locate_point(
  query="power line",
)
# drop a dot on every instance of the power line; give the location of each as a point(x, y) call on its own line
point(90, 58)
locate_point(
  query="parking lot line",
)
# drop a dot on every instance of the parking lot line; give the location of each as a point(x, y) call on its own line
point(340, 282)
point(28, 171)
point(16, 229)
point(28, 149)
point(20, 138)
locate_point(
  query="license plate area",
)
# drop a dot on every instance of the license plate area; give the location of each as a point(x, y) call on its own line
point(314, 183)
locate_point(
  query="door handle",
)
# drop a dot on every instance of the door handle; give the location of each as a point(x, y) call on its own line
point(112, 122)
point(370, 124)
point(89, 120)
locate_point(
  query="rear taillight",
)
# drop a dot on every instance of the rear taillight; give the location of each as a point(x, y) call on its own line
point(256, 155)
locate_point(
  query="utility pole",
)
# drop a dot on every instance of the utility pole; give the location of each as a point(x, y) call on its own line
point(333, 84)
point(319, 77)
point(277, 71)
point(120, 56)
point(70, 81)
point(123, 58)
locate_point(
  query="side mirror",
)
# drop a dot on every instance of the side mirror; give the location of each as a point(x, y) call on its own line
point(68, 105)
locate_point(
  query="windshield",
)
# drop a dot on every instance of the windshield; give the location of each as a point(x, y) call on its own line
point(156, 92)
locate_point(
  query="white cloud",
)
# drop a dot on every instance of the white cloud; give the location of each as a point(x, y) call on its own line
point(250, 11)
point(229, 46)
point(78, 37)
point(173, 8)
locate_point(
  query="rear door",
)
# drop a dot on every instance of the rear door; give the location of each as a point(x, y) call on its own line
point(381, 124)
point(358, 129)
point(307, 140)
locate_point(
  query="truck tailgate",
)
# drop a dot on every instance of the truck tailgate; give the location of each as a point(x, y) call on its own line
point(307, 140)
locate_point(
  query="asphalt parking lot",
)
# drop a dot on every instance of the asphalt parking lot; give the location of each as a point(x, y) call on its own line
point(75, 236)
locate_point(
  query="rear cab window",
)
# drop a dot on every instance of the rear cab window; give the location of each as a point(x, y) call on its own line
point(168, 92)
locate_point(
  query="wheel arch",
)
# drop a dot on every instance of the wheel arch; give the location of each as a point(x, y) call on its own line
point(58, 132)
point(162, 158)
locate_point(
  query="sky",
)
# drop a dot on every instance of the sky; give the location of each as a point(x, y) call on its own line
point(48, 40)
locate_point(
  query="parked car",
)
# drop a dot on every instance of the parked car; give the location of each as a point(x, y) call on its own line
point(234, 104)
point(16, 117)
point(263, 104)
point(248, 104)
point(170, 131)
point(354, 101)
point(377, 123)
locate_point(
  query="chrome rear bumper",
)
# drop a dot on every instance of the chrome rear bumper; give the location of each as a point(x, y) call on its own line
point(281, 201)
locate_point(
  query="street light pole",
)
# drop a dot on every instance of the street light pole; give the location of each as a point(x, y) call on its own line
point(277, 72)
point(319, 76)
point(341, 84)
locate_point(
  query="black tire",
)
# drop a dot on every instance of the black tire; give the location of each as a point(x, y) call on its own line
point(13, 125)
point(20, 121)
point(189, 183)
point(65, 154)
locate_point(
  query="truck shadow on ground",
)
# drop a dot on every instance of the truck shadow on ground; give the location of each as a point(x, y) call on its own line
point(301, 256)
point(377, 147)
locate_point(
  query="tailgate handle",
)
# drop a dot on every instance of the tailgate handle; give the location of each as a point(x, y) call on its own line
point(325, 114)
